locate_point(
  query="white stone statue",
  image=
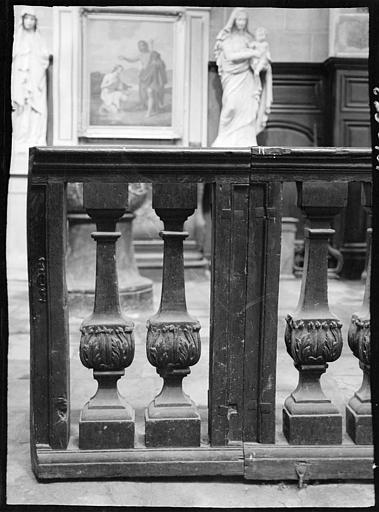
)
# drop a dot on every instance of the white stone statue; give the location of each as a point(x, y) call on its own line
point(243, 62)
point(29, 100)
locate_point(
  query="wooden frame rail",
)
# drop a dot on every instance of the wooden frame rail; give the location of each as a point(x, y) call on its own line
point(245, 276)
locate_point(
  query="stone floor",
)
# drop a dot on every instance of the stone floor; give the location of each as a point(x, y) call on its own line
point(342, 379)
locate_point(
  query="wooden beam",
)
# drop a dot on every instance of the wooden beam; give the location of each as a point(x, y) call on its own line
point(258, 164)
point(171, 462)
point(282, 462)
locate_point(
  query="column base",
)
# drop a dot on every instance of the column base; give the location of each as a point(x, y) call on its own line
point(113, 429)
point(166, 431)
point(138, 297)
point(107, 420)
point(358, 426)
point(318, 429)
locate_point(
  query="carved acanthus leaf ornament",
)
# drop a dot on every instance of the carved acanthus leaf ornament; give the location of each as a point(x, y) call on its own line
point(107, 347)
point(359, 338)
point(313, 341)
point(177, 345)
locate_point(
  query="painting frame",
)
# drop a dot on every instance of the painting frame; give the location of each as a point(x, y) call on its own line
point(343, 27)
point(167, 122)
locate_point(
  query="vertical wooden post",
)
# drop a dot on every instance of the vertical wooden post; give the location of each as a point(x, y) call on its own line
point(50, 388)
point(107, 342)
point(313, 334)
point(39, 321)
point(230, 219)
point(173, 341)
point(358, 410)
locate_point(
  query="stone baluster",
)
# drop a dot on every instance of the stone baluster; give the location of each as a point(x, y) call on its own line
point(107, 342)
point(358, 410)
point(173, 341)
point(313, 334)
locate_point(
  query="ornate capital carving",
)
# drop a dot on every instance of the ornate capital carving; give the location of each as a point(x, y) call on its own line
point(177, 345)
point(359, 338)
point(311, 342)
point(107, 347)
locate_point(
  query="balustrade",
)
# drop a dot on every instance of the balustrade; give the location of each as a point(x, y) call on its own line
point(245, 270)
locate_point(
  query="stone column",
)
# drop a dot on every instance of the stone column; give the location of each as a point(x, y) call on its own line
point(173, 341)
point(107, 342)
point(358, 410)
point(313, 334)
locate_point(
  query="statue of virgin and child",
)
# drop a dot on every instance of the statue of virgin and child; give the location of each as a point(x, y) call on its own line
point(244, 66)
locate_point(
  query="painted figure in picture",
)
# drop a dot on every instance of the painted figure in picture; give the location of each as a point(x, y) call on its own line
point(113, 91)
point(152, 78)
point(29, 93)
point(247, 96)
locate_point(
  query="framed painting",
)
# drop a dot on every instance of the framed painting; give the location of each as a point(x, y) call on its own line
point(132, 74)
point(348, 33)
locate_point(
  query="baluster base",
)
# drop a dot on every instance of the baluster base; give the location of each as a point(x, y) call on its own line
point(313, 429)
point(359, 420)
point(171, 432)
point(358, 425)
point(107, 420)
point(172, 418)
point(309, 417)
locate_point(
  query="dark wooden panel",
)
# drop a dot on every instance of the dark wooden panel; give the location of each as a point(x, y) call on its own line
point(354, 93)
point(238, 240)
point(289, 134)
point(269, 315)
point(261, 312)
point(357, 133)
point(59, 356)
point(296, 92)
point(219, 321)
point(254, 301)
point(230, 214)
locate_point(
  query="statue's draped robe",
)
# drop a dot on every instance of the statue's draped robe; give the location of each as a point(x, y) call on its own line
point(29, 96)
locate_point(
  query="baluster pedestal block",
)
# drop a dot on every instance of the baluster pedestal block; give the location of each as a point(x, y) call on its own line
point(313, 334)
point(107, 420)
point(358, 409)
point(173, 340)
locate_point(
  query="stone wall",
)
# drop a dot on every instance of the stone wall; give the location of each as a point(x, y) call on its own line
point(295, 35)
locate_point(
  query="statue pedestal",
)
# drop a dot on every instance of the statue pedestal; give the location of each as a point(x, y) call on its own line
point(136, 292)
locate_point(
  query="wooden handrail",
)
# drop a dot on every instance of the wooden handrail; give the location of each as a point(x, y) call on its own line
point(258, 164)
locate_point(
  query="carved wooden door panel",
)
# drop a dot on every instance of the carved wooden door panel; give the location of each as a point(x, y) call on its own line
point(244, 312)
